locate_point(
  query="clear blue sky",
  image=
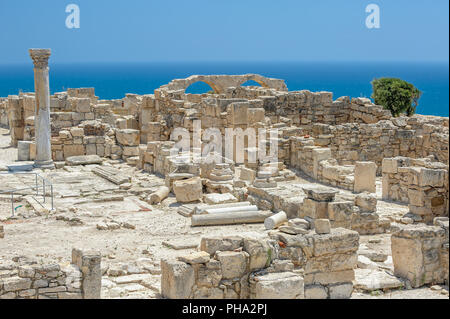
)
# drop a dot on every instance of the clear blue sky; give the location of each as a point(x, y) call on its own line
point(225, 30)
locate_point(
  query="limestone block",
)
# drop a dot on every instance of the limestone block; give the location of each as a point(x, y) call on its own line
point(91, 149)
point(320, 193)
point(340, 211)
point(214, 199)
point(319, 154)
point(315, 292)
point(130, 151)
point(77, 131)
point(83, 105)
point(239, 112)
point(16, 283)
point(432, 177)
point(338, 241)
point(365, 174)
point(416, 197)
point(220, 243)
point(416, 254)
point(89, 262)
point(314, 209)
point(209, 274)
point(256, 115)
point(322, 226)
point(284, 285)
point(23, 150)
point(198, 257)
point(260, 252)
point(389, 165)
point(208, 293)
point(366, 202)
point(177, 279)
point(340, 291)
point(128, 137)
point(83, 160)
point(247, 174)
point(234, 264)
point(188, 190)
point(73, 150)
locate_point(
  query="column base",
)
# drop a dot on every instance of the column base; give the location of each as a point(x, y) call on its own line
point(44, 164)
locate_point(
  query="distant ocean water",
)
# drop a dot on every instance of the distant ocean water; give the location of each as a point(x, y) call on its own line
point(114, 80)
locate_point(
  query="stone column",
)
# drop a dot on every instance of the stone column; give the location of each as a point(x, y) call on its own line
point(42, 112)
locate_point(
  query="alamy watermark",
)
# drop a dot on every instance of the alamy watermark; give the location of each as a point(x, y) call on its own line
point(73, 19)
point(373, 19)
point(249, 145)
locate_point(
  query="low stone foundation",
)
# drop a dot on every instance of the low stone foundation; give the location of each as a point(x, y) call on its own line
point(282, 266)
point(29, 280)
point(420, 253)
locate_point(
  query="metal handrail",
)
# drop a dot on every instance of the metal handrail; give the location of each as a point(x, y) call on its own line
point(36, 187)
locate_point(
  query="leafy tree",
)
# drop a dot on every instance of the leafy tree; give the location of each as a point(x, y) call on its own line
point(396, 95)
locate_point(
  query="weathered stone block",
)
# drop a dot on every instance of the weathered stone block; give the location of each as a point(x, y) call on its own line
point(365, 174)
point(177, 279)
point(128, 137)
point(220, 243)
point(285, 285)
point(188, 190)
point(366, 202)
point(234, 264)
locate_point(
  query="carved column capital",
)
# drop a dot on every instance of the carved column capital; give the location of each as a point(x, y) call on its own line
point(40, 57)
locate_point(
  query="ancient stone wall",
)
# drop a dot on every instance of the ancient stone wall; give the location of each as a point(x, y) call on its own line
point(282, 266)
point(421, 183)
point(32, 280)
point(420, 253)
point(372, 142)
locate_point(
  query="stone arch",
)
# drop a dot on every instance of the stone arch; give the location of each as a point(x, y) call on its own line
point(251, 83)
point(212, 85)
point(254, 77)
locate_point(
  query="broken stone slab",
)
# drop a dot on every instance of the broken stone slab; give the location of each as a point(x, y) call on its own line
point(181, 244)
point(213, 199)
point(292, 230)
point(198, 257)
point(373, 255)
point(186, 210)
point(370, 280)
point(366, 263)
point(320, 193)
point(20, 167)
point(299, 222)
point(83, 160)
point(111, 174)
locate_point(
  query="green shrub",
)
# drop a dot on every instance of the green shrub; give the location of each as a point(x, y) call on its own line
point(396, 95)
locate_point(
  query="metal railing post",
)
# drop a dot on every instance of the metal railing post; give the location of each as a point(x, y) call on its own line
point(12, 204)
point(43, 187)
point(51, 188)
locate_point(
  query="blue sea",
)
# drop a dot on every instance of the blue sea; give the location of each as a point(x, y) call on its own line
point(114, 80)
